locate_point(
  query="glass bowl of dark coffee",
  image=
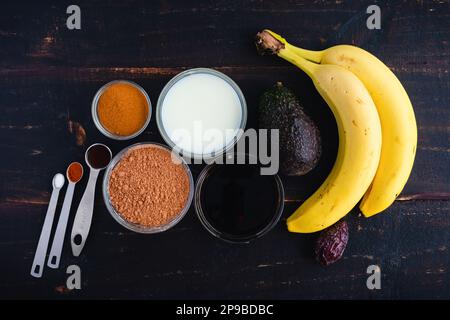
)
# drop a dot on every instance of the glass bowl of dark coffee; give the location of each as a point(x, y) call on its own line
point(237, 202)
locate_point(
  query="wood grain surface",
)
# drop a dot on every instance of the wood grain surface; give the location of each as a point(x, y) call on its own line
point(49, 75)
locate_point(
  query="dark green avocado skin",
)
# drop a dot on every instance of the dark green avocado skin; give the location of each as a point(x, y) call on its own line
point(300, 145)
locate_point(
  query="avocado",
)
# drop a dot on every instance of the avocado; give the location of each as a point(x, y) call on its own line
point(299, 144)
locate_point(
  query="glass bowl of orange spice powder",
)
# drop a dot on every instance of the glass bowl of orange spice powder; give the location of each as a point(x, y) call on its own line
point(121, 109)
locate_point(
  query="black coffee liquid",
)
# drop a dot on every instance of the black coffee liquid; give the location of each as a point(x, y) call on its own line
point(98, 156)
point(239, 202)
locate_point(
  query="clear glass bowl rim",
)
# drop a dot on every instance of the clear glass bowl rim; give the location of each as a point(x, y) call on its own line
point(96, 119)
point(136, 227)
point(226, 237)
point(177, 78)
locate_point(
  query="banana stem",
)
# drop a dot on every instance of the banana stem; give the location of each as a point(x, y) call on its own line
point(269, 42)
point(291, 56)
point(313, 56)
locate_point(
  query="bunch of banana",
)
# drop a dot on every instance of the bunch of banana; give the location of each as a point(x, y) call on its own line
point(376, 126)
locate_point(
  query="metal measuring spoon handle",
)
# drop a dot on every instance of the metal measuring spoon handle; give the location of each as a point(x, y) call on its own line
point(41, 251)
point(83, 217)
point(97, 157)
point(58, 240)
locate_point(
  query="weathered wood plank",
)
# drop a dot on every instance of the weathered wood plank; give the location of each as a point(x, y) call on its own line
point(121, 264)
point(37, 112)
point(191, 33)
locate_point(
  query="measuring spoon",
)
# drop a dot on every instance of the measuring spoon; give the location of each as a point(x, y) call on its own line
point(97, 158)
point(41, 251)
point(58, 240)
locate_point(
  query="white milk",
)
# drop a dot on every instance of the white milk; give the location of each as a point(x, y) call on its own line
point(201, 113)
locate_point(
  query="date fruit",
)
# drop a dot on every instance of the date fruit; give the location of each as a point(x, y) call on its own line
point(331, 243)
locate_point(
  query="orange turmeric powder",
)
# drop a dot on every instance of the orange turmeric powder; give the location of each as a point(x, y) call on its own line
point(122, 109)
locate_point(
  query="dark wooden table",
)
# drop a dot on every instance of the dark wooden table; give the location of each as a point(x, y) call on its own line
point(49, 74)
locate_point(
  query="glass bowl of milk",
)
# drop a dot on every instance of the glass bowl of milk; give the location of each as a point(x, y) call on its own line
point(201, 113)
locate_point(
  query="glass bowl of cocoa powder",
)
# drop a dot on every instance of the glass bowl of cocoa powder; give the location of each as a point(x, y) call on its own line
point(147, 188)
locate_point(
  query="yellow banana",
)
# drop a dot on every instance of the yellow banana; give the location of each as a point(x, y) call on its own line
point(359, 140)
point(398, 123)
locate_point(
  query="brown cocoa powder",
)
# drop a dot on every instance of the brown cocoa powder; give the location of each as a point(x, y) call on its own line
point(147, 187)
